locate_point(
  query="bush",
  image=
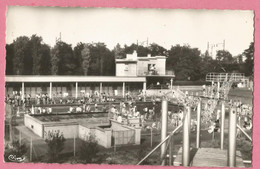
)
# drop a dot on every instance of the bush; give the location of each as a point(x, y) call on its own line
point(55, 142)
point(16, 150)
point(245, 147)
point(88, 150)
point(141, 153)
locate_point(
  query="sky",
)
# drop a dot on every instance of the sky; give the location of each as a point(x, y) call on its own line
point(166, 27)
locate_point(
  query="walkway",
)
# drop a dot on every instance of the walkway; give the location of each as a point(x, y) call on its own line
point(209, 157)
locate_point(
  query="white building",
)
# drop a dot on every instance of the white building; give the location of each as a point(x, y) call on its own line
point(149, 65)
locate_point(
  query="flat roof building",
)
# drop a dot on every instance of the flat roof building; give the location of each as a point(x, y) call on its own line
point(133, 74)
point(148, 65)
point(73, 85)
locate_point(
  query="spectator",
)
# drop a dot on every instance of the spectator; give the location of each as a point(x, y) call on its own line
point(78, 109)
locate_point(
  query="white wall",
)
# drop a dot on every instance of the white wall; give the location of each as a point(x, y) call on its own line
point(69, 130)
point(142, 65)
point(103, 136)
point(33, 124)
point(128, 69)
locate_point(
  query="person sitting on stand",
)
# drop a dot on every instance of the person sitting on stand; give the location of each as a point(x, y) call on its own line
point(119, 118)
point(43, 111)
point(49, 110)
point(71, 109)
point(78, 109)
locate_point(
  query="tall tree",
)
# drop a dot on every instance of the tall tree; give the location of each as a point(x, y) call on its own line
point(119, 52)
point(238, 59)
point(101, 57)
point(141, 50)
point(9, 59)
point(78, 58)
point(62, 59)
point(185, 62)
point(249, 62)
point(85, 58)
point(55, 59)
point(35, 46)
point(224, 56)
point(45, 60)
point(22, 61)
point(207, 65)
point(156, 49)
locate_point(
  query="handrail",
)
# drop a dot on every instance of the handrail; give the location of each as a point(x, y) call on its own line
point(176, 129)
point(244, 132)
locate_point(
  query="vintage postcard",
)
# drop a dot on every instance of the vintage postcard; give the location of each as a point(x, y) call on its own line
point(122, 86)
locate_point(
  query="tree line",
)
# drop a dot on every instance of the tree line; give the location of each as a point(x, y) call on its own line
point(31, 56)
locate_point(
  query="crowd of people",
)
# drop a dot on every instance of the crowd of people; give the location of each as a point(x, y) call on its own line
point(63, 98)
point(148, 115)
point(123, 113)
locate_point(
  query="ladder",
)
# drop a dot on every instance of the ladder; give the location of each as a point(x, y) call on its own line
point(227, 84)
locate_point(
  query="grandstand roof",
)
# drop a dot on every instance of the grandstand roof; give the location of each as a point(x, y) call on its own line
point(55, 78)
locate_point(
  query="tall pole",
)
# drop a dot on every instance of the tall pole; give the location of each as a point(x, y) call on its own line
point(144, 91)
point(186, 138)
point(123, 90)
point(218, 94)
point(22, 90)
point(198, 125)
point(232, 138)
point(164, 127)
point(76, 90)
point(171, 83)
point(101, 87)
point(222, 128)
point(50, 89)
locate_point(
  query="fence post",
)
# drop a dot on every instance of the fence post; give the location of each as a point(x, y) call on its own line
point(164, 127)
point(218, 90)
point(20, 138)
point(74, 145)
point(170, 150)
point(232, 138)
point(31, 150)
point(151, 137)
point(222, 129)
point(186, 138)
point(198, 124)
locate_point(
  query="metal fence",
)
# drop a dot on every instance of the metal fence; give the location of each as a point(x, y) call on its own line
point(123, 137)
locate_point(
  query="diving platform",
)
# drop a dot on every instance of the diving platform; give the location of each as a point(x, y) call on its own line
point(209, 157)
point(223, 77)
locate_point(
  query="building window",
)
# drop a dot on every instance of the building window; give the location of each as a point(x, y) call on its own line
point(126, 67)
point(151, 67)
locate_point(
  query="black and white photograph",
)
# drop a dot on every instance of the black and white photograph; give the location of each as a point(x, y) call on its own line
point(129, 86)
